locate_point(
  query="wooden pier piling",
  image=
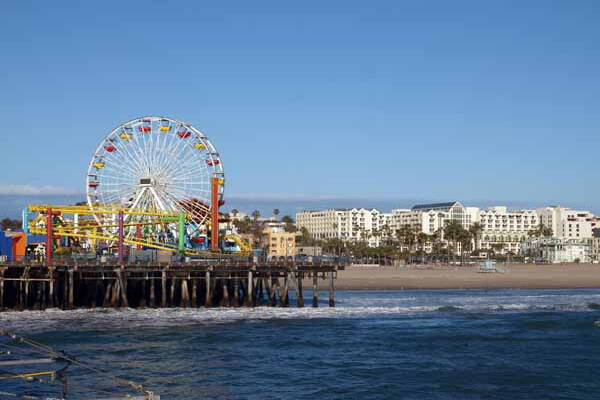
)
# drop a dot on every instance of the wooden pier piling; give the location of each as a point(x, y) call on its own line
point(315, 294)
point(331, 291)
point(27, 286)
point(207, 290)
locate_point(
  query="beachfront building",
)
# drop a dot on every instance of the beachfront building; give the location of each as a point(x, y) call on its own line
point(429, 218)
point(279, 243)
point(356, 224)
point(567, 223)
point(503, 231)
point(557, 250)
point(595, 251)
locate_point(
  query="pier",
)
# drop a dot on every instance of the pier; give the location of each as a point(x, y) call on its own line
point(198, 283)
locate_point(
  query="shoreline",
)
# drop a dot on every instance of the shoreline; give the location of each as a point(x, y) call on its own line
point(518, 276)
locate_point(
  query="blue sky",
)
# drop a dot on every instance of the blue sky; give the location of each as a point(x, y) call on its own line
point(493, 101)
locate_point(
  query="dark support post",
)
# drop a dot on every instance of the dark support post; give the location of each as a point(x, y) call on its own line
point(195, 293)
point(26, 302)
point(225, 298)
point(142, 302)
point(249, 300)
point(208, 296)
point(71, 289)
point(163, 281)
point(299, 298)
point(283, 295)
point(185, 295)
point(236, 292)
point(152, 292)
point(114, 300)
point(65, 297)
point(41, 289)
point(107, 294)
point(315, 300)
point(122, 286)
point(172, 294)
point(331, 293)
point(270, 290)
point(51, 286)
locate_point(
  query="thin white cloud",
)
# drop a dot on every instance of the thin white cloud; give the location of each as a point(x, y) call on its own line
point(289, 196)
point(37, 190)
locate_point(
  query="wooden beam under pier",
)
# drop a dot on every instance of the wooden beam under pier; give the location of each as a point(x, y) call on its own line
point(35, 286)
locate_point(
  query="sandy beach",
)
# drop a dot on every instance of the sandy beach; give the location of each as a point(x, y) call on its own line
point(518, 276)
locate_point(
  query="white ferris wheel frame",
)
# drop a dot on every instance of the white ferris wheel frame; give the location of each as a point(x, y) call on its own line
point(156, 169)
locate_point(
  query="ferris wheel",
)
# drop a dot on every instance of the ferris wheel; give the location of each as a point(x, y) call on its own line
point(155, 164)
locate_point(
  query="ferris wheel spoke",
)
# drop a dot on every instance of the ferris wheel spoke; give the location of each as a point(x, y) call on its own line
point(172, 156)
point(121, 161)
point(133, 155)
point(184, 146)
point(138, 149)
point(186, 170)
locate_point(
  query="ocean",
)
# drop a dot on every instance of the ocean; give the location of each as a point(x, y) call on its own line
point(443, 344)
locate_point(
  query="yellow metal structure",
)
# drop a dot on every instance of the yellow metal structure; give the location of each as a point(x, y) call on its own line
point(90, 229)
point(244, 247)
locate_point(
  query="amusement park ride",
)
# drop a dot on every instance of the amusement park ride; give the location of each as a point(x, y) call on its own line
point(152, 183)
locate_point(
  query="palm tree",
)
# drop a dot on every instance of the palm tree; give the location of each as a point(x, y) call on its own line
point(475, 230)
point(255, 215)
point(276, 212)
point(453, 232)
point(541, 231)
point(234, 212)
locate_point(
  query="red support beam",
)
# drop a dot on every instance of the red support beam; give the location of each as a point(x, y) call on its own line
point(214, 220)
point(138, 234)
point(49, 238)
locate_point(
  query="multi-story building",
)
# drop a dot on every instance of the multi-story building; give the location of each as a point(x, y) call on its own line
point(595, 252)
point(567, 223)
point(557, 250)
point(503, 230)
point(280, 243)
point(429, 218)
point(346, 224)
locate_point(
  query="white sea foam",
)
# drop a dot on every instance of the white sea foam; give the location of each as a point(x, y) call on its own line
point(349, 305)
point(108, 319)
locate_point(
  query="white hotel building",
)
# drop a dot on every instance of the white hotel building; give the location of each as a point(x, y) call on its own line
point(345, 224)
point(505, 231)
point(566, 223)
point(502, 230)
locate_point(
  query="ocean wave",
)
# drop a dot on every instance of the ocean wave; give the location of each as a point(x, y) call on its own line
point(104, 318)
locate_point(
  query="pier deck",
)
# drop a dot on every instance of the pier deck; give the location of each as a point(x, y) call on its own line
point(208, 283)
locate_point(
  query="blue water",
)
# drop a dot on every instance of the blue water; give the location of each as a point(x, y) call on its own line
point(460, 344)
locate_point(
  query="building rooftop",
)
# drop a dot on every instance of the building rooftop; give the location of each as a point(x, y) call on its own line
point(434, 206)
